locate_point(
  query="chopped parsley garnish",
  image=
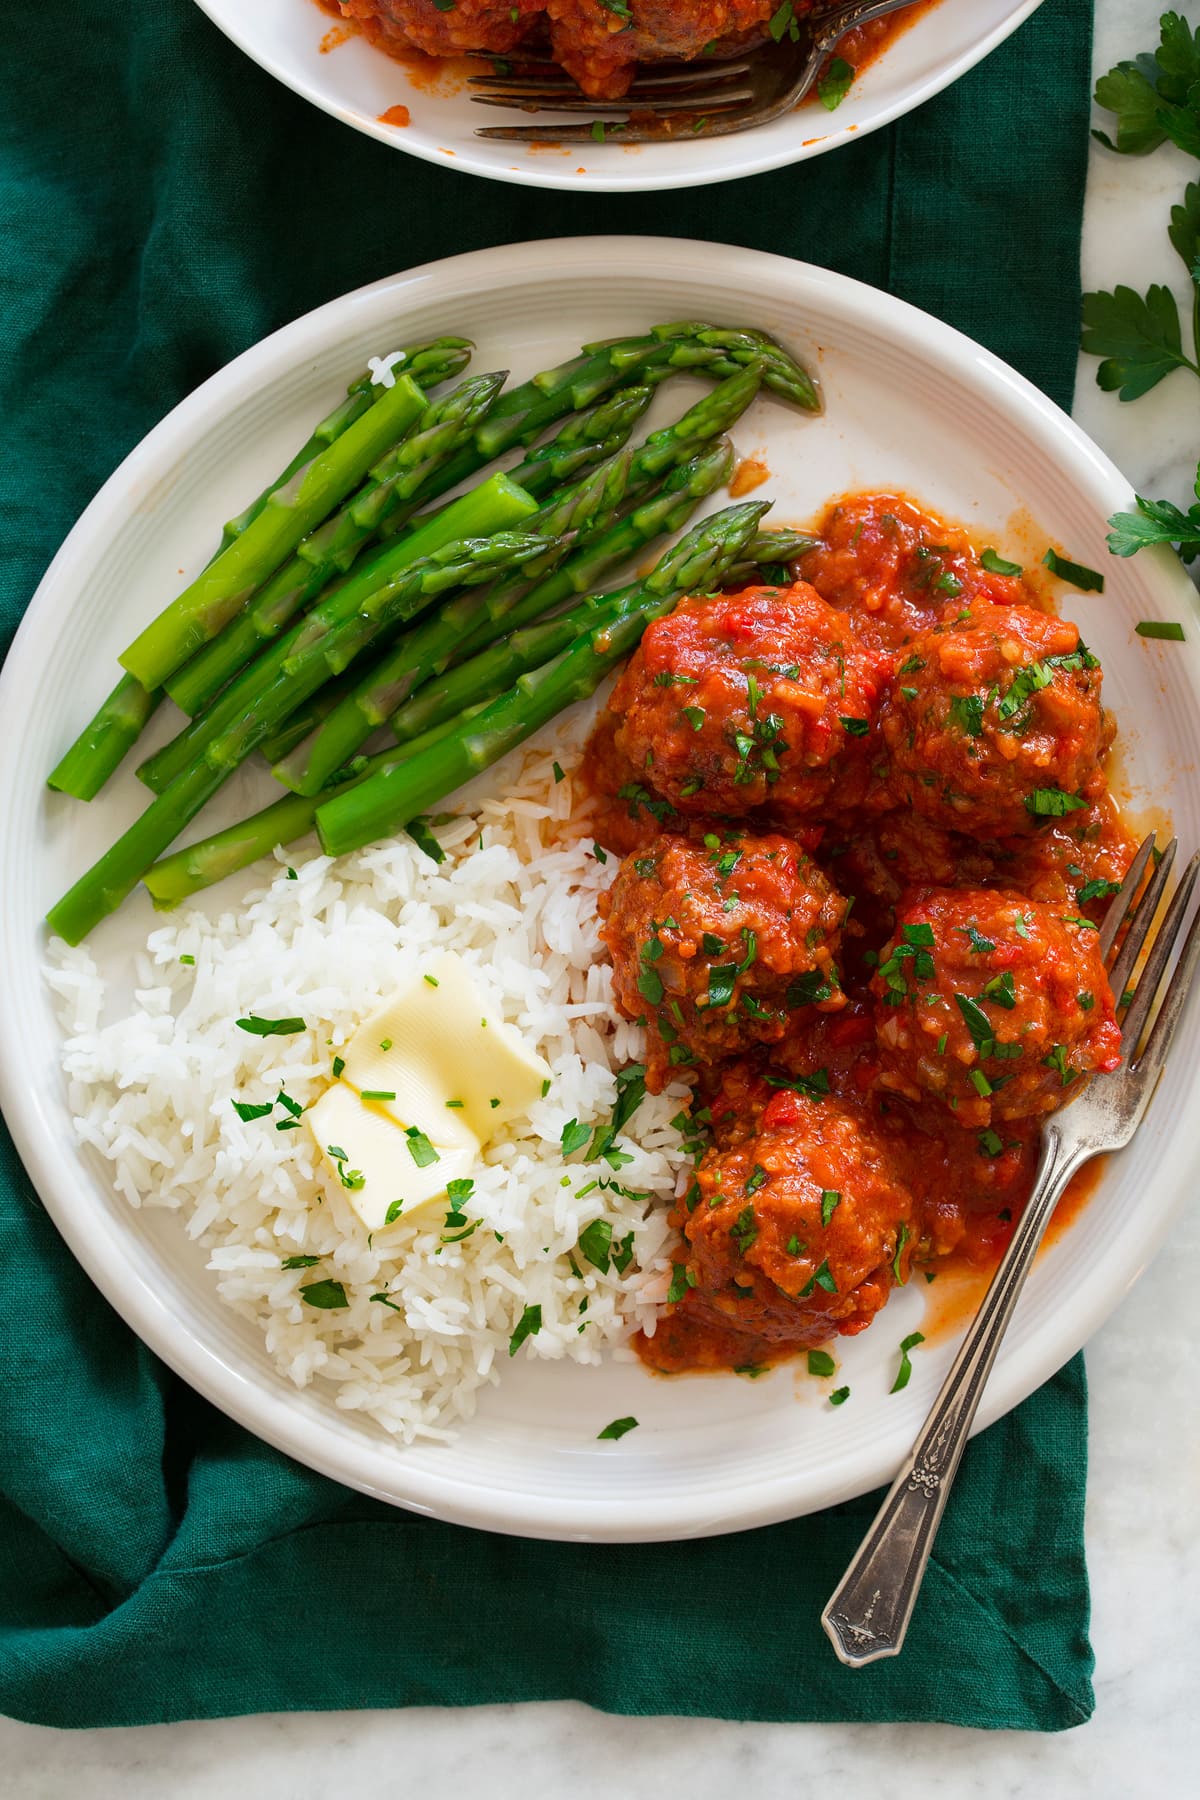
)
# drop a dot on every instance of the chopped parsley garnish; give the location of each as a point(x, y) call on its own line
point(418, 830)
point(836, 81)
point(711, 944)
point(1057, 1060)
point(820, 1278)
point(631, 1091)
point(529, 1323)
point(815, 1086)
point(679, 1283)
point(996, 565)
point(855, 727)
point(722, 980)
point(1167, 629)
point(756, 1179)
point(189, 960)
point(912, 665)
point(622, 1256)
point(393, 1212)
point(558, 773)
point(420, 1148)
point(1097, 889)
point(904, 1373)
point(300, 1262)
point(695, 716)
point(991, 1144)
point(901, 1241)
point(830, 1201)
point(999, 990)
point(385, 1299)
point(1089, 581)
point(839, 1396)
point(271, 1027)
point(808, 989)
point(820, 1363)
point(967, 711)
point(574, 1136)
point(338, 1065)
point(245, 1111)
point(595, 1240)
point(617, 1429)
point(744, 1230)
point(329, 1296)
point(1052, 803)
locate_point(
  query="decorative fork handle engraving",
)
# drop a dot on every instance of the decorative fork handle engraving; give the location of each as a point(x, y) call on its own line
point(868, 1614)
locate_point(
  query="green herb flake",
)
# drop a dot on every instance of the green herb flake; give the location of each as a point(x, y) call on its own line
point(820, 1363)
point(839, 1396)
point(595, 1241)
point(996, 565)
point(830, 1201)
point(264, 1028)
point(245, 1111)
point(1088, 581)
point(574, 1136)
point(904, 1373)
point(299, 1262)
point(616, 1430)
point(327, 1296)
point(529, 1323)
point(1169, 630)
point(420, 1148)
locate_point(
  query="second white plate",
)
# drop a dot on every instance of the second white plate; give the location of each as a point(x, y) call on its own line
point(303, 46)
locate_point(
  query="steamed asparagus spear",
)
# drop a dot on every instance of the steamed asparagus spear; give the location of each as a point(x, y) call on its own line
point(493, 506)
point(525, 412)
point(291, 511)
point(314, 649)
point(330, 549)
point(427, 364)
point(103, 743)
point(199, 865)
point(409, 786)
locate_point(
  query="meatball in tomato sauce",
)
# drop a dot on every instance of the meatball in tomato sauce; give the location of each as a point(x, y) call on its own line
point(721, 942)
point(993, 722)
point(797, 1235)
point(991, 1003)
point(758, 698)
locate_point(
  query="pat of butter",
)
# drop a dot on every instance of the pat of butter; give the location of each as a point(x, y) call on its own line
point(379, 1167)
point(432, 1062)
point(442, 1046)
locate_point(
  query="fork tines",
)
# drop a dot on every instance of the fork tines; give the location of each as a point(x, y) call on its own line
point(1136, 908)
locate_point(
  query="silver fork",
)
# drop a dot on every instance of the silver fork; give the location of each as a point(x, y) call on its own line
point(869, 1612)
point(702, 99)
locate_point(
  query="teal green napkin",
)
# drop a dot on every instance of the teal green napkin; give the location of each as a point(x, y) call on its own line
point(165, 205)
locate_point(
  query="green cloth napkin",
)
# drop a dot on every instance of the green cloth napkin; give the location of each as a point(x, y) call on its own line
point(166, 204)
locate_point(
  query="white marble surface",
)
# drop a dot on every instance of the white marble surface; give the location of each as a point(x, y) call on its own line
point(1145, 1476)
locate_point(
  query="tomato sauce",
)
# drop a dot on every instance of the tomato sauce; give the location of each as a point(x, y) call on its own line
point(866, 937)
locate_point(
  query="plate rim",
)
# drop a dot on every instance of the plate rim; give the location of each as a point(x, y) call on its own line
point(378, 1468)
point(805, 151)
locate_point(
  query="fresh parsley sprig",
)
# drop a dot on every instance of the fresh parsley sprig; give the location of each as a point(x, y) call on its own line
point(1155, 99)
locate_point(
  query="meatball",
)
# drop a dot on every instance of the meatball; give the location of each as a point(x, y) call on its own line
point(720, 942)
point(899, 570)
point(736, 701)
point(600, 45)
point(994, 722)
point(488, 25)
point(800, 1233)
point(991, 1002)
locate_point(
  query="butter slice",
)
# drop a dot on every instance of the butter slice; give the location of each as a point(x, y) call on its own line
point(444, 1046)
point(380, 1153)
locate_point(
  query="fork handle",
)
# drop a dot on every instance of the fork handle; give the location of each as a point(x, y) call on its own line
point(868, 1614)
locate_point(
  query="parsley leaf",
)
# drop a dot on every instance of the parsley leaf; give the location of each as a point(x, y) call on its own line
point(616, 1430)
point(1138, 337)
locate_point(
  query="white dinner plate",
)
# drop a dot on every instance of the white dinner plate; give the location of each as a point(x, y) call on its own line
point(911, 406)
point(339, 71)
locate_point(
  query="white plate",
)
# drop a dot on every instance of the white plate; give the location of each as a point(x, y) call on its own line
point(303, 46)
point(911, 405)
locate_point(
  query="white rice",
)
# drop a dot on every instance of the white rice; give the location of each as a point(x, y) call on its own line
point(151, 1092)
